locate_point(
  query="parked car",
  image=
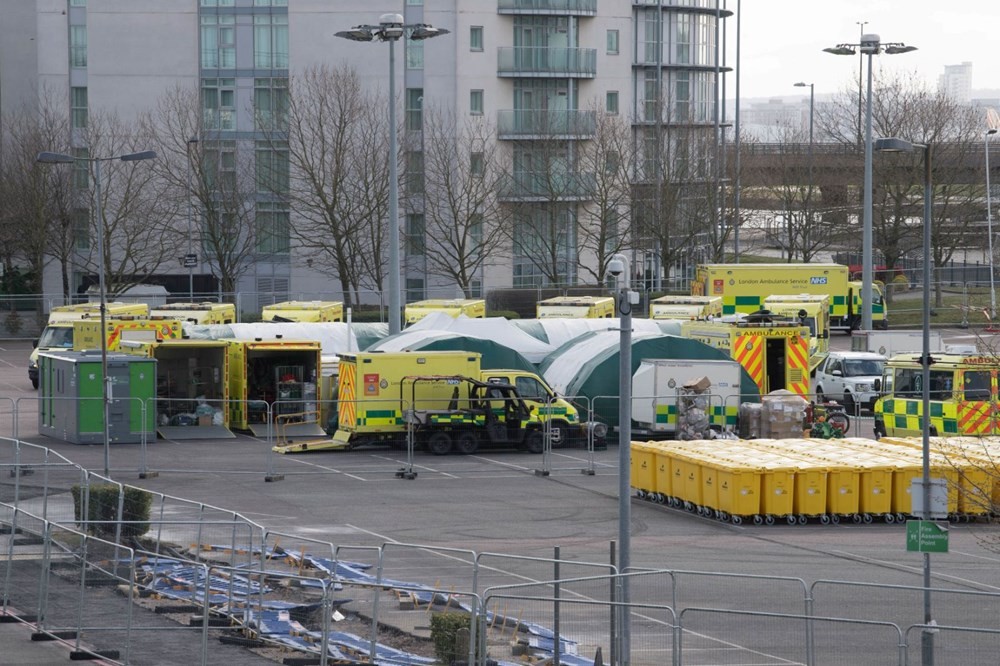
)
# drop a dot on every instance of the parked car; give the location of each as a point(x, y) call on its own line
point(849, 378)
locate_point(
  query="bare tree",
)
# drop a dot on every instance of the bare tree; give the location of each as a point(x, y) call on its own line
point(215, 181)
point(136, 208)
point(463, 219)
point(36, 207)
point(605, 217)
point(338, 159)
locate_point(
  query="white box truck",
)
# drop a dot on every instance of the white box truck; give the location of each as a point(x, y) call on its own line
point(890, 343)
point(654, 394)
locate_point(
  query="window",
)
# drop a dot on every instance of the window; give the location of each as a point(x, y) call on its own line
point(270, 3)
point(476, 231)
point(611, 102)
point(270, 103)
point(78, 107)
point(81, 228)
point(476, 38)
point(81, 168)
point(414, 289)
point(273, 232)
point(219, 103)
point(78, 46)
point(414, 54)
point(682, 42)
point(976, 385)
point(682, 96)
point(270, 41)
point(220, 165)
point(415, 109)
point(612, 162)
point(218, 3)
point(476, 102)
point(415, 230)
point(218, 41)
point(612, 42)
point(414, 172)
point(477, 164)
point(272, 167)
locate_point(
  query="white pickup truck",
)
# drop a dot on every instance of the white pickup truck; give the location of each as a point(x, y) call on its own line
point(849, 378)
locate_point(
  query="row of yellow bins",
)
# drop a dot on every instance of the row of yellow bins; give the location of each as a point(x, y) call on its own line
point(828, 480)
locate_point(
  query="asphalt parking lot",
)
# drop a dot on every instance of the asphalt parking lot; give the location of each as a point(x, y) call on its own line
point(497, 502)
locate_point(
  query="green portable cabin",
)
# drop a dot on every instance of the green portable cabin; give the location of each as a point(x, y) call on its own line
point(70, 397)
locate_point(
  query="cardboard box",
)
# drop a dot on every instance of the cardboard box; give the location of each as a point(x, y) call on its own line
point(699, 384)
point(205, 420)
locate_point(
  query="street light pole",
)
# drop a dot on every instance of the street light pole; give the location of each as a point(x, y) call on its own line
point(188, 259)
point(900, 145)
point(989, 226)
point(870, 45)
point(61, 158)
point(861, 66)
point(390, 29)
point(812, 99)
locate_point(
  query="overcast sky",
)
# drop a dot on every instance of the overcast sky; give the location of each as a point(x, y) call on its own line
point(782, 41)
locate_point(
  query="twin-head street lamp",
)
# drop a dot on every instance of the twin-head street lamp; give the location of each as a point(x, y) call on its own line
point(390, 29)
point(870, 45)
point(61, 158)
point(894, 145)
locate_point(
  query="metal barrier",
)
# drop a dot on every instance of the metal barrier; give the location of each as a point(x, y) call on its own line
point(952, 645)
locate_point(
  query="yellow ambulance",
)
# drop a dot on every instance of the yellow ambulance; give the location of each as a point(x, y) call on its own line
point(470, 307)
point(196, 313)
point(685, 307)
point(576, 307)
point(304, 311)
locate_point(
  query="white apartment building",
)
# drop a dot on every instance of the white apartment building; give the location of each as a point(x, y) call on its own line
point(956, 82)
point(541, 71)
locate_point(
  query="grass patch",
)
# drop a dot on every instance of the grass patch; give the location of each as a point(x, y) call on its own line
point(954, 308)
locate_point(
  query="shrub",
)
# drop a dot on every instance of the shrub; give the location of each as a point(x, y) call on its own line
point(444, 632)
point(900, 281)
point(102, 510)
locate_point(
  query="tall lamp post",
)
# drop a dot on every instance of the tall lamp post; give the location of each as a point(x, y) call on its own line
point(891, 145)
point(812, 99)
point(190, 259)
point(390, 29)
point(870, 45)
point(61, 158)
point(989, 226)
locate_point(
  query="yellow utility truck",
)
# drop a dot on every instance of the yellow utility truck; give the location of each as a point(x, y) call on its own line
point(812, 310)
point(122, 332)
point(963, 396)
point(576, 307)
point(58, 333)
point(455, 307)
point(775, 353)
point(375, 390)
point(304, 311)
point(196, 313)
point(743, 288)
point(685, 307)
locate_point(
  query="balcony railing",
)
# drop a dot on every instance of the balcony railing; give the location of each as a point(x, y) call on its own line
point(547, 186)
point(558, 7)
point(532, 124)
point(526, 61)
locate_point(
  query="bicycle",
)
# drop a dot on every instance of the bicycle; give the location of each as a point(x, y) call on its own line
point(827, 419)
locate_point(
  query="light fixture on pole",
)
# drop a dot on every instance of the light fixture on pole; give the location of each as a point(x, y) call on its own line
point(989, 226)
point(61, 158)
point(861, 65)
point(190, 259)
point(390, 29)
point(618, 267)
point(870, 45)
point(812, 99)
point(891, 145)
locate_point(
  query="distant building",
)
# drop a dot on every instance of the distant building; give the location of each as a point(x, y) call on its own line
point(956, 82)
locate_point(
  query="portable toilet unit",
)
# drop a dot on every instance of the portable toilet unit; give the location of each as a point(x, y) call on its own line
point(70, 397)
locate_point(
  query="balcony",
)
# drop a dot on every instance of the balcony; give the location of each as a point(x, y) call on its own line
point(548, 7)
point(513, 124)
point(540, 61)
point(544, 186)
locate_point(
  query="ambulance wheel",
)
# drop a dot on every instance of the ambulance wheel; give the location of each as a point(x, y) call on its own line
point(439, 443)
point(560, 435)
point(534, 442)
point(466, 443)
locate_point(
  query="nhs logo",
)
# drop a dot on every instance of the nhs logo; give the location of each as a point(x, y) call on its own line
point(817, 280)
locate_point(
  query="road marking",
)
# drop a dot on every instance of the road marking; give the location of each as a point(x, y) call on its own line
point(327, 468)
point(415, 466)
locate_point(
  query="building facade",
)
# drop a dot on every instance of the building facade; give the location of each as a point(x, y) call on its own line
point(545, 75)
